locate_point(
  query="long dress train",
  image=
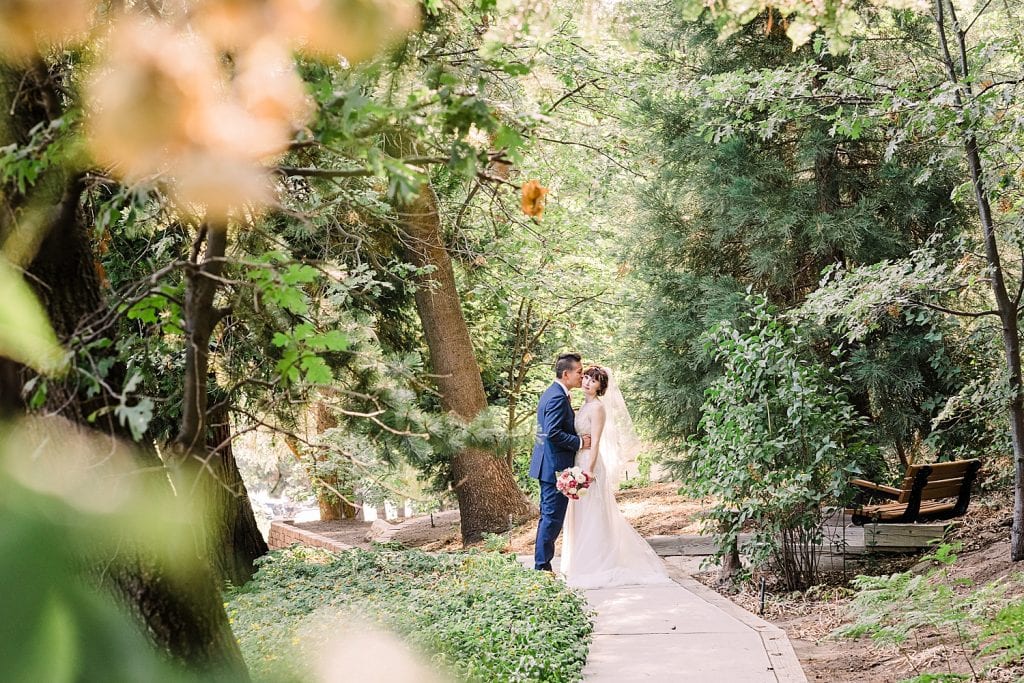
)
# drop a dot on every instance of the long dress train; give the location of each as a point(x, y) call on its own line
point(600, 549)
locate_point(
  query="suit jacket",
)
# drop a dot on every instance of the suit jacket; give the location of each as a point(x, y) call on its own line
point(557, 443)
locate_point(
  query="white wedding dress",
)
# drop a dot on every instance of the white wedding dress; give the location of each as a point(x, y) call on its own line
point(600, 549)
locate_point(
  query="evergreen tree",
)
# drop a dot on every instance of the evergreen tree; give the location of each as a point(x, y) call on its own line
point(766, 208)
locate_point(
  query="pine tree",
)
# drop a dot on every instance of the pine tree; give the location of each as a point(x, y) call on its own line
point(737, 210)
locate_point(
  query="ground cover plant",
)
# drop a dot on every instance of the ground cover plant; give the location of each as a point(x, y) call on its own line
point(479, 615)
point(986, 618)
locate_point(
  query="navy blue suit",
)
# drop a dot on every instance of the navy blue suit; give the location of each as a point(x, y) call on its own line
point(554, 450)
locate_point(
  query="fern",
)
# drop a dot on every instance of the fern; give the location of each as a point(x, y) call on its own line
point(1005, 633)
point(891, 608)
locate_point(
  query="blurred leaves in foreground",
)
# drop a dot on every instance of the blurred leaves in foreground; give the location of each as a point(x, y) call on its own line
point(71, 505)
point(25, 332)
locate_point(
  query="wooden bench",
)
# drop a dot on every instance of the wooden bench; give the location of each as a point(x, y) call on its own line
point(936, 491)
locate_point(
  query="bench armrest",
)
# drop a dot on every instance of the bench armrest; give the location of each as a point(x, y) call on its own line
point(877, 489)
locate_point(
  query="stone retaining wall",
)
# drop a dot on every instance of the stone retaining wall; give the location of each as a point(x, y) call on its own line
point(284, 535)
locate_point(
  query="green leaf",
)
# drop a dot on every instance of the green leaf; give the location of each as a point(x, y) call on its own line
point(296, 274)
point(515, 68)
point(508, 138)
point(54, 644)
point(316, 370)
point(335, 340)
point(25, 332)
point(291, 299)
point(137, 417)
point(38, 395)
point(147, 310)
point(690, 10)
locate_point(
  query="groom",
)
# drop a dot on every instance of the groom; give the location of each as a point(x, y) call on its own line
point(555, 450)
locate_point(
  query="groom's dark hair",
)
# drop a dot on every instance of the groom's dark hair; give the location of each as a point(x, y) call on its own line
point(566, 362)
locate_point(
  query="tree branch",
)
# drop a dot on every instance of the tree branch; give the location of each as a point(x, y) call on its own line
point(950, 311)
point(569, 94)
point(978, 15)
point(200, 319)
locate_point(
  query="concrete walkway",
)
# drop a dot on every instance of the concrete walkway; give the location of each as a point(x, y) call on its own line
point(682, 633)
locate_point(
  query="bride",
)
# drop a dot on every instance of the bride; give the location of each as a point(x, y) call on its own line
point(600, 549)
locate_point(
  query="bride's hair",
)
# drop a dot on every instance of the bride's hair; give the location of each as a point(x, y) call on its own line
point(601, 375)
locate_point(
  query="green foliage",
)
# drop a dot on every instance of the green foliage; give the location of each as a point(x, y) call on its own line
point(48, 145)
point(779, 441)
point(939, 678)
point(916, 125)
point(634, 483)
point(299, 353)
point(72, 514)
point(449, 434)
point(1003, 634)
point(480, 615)
point(757, 187)
point(25, 332)
point(926, 377)
point(891, 609)
point(494, 543)
point(857, 302)
point(643, 477)
point(834, 21)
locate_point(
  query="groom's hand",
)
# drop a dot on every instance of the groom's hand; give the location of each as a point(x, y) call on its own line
point(586, 441)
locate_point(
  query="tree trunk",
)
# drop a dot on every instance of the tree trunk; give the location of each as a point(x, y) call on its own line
point(201, 456)
point(184, 619)
point(1007, 308)
point(332, 506)
point(235, 540)
point(200, 319)
point(485, 485)
point(901, 451)
point(731, 565)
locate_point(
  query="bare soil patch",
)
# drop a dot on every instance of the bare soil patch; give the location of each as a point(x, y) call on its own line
point(652, 510)
point(658, 509)
point(439, 531)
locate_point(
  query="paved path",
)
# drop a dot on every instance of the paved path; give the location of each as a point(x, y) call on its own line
point(682, 633)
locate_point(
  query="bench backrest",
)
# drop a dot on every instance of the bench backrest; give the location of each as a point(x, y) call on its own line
point(945, 480)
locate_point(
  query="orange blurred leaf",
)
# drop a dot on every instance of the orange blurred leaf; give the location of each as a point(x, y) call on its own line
point(532, 201)
point(29, 26)
point(354, 29)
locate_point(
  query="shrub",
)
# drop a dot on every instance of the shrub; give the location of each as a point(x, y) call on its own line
point(643, 476)
point(480, 615)
point(634, 483)
point(495, 543)
point(779, 440)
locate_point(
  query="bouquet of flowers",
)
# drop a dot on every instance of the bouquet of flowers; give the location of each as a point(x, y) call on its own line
point(573, 482)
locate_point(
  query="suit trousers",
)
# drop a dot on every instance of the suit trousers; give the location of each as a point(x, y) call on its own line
point(553, 505)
